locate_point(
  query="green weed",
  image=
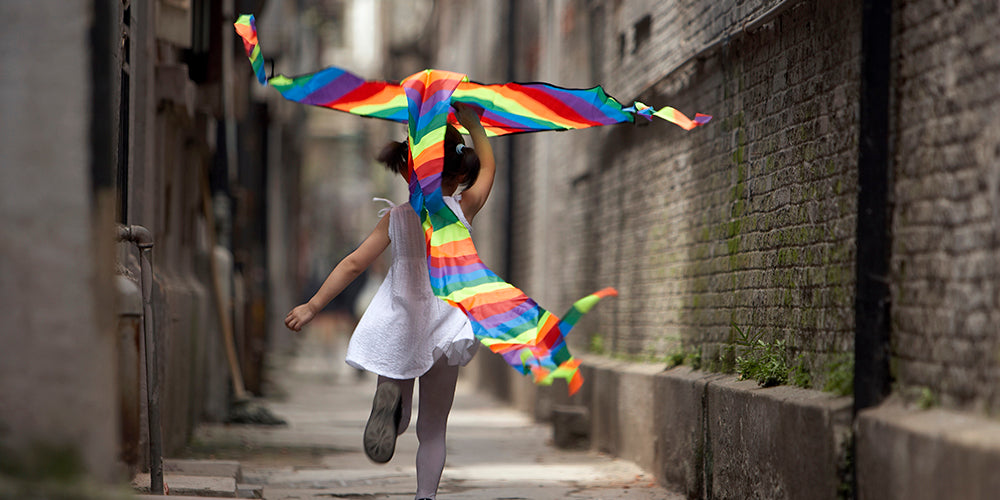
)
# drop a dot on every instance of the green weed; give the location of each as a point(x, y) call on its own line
point(761, 360)
point(840, 376)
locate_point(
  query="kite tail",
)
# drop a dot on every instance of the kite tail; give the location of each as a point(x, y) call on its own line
point(676, 117)
point(568, 370)
point(583, 306)
point(669, 114)
point(545, 354)
point(569, 367)
point(246, 28)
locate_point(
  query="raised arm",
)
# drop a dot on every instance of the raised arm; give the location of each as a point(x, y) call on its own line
point(475, 196)
point(342, 275)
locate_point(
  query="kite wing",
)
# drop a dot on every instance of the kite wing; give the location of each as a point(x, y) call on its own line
point(533, 107)
point(529, 338)
point(331, 87)
point(505, 108)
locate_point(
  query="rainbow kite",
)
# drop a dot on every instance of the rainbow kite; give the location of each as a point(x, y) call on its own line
point(530, 339)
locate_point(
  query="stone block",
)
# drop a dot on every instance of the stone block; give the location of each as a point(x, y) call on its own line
point(679, 402)
point(603, 404)
point(571, 427)
point(638, 431)
point(780, 442)
point(920, 455)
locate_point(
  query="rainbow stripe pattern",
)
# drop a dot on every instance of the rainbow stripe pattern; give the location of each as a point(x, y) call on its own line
point(507, 321)
point(504, 108)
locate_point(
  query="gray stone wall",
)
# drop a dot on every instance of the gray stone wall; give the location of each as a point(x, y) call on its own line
point(946, 222)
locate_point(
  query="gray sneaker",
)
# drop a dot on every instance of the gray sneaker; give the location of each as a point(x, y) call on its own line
point(380, 432)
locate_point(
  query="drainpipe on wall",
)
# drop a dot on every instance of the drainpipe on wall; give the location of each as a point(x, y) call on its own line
point(872, 380)
point(129, 306)
point(143, 239)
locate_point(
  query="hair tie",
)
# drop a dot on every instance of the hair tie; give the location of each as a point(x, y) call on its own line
point(460, 148)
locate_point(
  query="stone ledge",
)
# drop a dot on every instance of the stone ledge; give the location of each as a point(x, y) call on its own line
point(915, 454)
point(712, 435)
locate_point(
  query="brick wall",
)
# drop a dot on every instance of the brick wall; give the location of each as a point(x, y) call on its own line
point(946, 264)
point(748, 221)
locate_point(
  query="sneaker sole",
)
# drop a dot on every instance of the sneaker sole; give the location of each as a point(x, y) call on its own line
point(380, 431)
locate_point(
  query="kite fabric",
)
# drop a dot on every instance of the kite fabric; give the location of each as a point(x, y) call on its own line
point(529, 338)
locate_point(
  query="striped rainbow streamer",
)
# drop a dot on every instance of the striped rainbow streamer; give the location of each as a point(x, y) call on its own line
point(531, 339)
point(504, 108)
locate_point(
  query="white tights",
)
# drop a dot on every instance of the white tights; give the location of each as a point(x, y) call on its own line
point(437, 392)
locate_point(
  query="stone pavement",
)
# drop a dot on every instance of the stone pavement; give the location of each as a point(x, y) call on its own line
point(494, 452)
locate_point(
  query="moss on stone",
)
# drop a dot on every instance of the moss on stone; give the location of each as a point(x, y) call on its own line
point(43, 462)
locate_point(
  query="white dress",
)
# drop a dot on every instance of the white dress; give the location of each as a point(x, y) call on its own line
point(406, 329)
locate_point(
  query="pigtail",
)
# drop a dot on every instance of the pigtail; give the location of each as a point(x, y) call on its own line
point(394, 156)
point(460, 161)
point(469, 166)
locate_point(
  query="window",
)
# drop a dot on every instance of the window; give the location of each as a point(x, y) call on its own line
point(643, 29)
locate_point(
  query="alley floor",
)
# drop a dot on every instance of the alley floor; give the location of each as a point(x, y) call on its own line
point(494, 452)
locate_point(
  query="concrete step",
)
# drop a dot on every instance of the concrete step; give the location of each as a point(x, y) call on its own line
point(197, 486)
point(243, 491)
point(249, 491)
point(192, 467)
point(174, 497)
point(200, 478)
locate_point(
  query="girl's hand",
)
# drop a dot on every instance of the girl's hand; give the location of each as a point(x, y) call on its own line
point(466, 116)
point(299, 317)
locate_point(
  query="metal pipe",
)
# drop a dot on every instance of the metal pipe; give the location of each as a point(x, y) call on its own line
point(143, 239)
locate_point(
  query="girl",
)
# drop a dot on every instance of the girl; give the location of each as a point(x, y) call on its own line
point(407, 332)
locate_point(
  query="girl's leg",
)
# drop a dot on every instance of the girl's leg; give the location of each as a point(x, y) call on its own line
point(406, 391)
point(437, 392)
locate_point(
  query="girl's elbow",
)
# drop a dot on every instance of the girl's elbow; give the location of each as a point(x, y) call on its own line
point(353, 266)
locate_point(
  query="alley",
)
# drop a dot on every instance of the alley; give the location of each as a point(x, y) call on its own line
point(494, 452)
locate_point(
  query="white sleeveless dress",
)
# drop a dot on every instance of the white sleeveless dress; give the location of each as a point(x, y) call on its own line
point(406, 329)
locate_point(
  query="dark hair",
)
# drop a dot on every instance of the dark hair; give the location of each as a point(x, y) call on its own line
point(464, 165)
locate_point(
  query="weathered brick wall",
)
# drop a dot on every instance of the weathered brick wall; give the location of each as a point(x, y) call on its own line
point(747, 221)
point(946, 223)
point(750, 221)
point(636, 59)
